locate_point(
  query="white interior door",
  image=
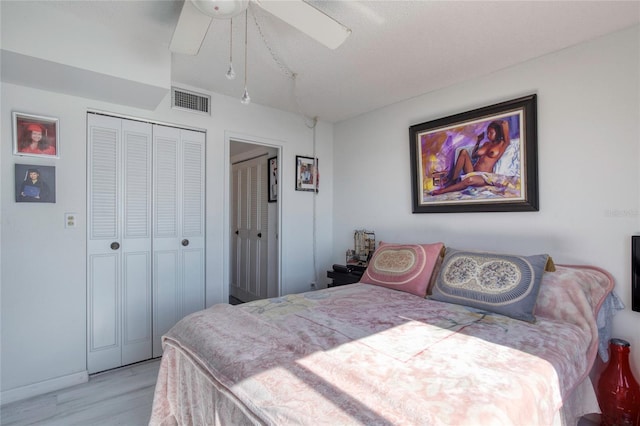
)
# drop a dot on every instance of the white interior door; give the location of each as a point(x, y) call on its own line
point(178, 227)
point(136, 246)
point(118, 242)
point(249, 279)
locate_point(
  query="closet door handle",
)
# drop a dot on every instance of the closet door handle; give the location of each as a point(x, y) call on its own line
point(259, 234)
point(185, 242)
point(115, 245)
point(237, 231)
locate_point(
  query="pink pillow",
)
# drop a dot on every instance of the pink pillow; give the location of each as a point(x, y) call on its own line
point(404, 267)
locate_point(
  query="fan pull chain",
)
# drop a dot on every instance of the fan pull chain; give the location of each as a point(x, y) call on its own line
point(273, 54)
point(231, 74)
point(245, 96)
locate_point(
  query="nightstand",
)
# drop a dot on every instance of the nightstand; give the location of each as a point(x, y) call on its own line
point(342, 275)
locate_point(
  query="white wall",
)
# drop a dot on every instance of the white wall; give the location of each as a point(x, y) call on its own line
point(46, 51)
point(588, 152)
point(43, 278)
point(147, 61)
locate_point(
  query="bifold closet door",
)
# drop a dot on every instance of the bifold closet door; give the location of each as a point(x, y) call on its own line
point(118, 242)
point(178, 227)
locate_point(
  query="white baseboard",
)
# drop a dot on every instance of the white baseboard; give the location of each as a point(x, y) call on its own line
point(40, 388)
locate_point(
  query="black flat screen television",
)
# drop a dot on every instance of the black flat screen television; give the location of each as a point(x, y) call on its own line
point(635, 273)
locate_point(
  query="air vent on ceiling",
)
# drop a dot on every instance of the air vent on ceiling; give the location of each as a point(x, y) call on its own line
point(190, 101)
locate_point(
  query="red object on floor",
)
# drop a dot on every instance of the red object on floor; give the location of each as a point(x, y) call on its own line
point(618, 391)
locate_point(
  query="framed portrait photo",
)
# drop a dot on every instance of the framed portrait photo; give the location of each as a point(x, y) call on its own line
point(484, 160)
point(35, 135)
point(273, 179)
point(307, 175)
point(35, 183)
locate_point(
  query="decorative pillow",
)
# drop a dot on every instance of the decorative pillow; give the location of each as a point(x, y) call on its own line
point(404, 267)
point(501, 283)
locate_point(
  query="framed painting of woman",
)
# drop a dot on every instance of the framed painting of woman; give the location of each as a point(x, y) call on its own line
point(35, 135)
point(484, 160)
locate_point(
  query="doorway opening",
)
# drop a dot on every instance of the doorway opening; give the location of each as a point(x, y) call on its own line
point(253, 225)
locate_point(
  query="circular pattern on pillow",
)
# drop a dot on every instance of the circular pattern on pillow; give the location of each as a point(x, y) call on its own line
point(395, 262)
point(501, 283)
point(404, 267)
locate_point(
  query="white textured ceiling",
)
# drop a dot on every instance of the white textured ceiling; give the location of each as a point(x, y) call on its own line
point(397, 49)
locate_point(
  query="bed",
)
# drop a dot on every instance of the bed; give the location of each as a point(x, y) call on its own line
point(373, 355)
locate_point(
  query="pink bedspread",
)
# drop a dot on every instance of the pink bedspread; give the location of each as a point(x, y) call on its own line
point(361, 354)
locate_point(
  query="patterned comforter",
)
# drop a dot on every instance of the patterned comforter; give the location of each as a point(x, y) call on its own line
point(362, 354)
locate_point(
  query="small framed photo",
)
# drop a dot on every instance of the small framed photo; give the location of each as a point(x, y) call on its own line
point(35, 184)
point(307, 175)
point(273, 179)
point(35, 135)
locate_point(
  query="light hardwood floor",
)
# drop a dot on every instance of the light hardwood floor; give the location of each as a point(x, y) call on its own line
point(117, 397)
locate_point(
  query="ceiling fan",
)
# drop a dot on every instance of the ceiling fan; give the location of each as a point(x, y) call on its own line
point(196, 16)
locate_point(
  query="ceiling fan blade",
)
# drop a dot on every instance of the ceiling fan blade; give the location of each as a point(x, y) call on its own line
point(190, 30)
point(309, 20)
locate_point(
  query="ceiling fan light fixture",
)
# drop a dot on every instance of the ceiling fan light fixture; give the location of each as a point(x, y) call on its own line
point(221, 9)
point(231, 74)
point(246, 99)
point(196, 16)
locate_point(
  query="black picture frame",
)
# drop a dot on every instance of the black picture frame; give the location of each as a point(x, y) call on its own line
point(42, 190)
point(635, 273)
point(307, 174)
point(272, 180)
point(510, 184)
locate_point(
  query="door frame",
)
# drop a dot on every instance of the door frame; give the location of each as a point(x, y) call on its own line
point(230, 137)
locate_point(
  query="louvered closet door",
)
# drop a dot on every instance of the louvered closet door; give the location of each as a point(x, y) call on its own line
point(119, 242)
point(178, 228)
point(250, 226)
